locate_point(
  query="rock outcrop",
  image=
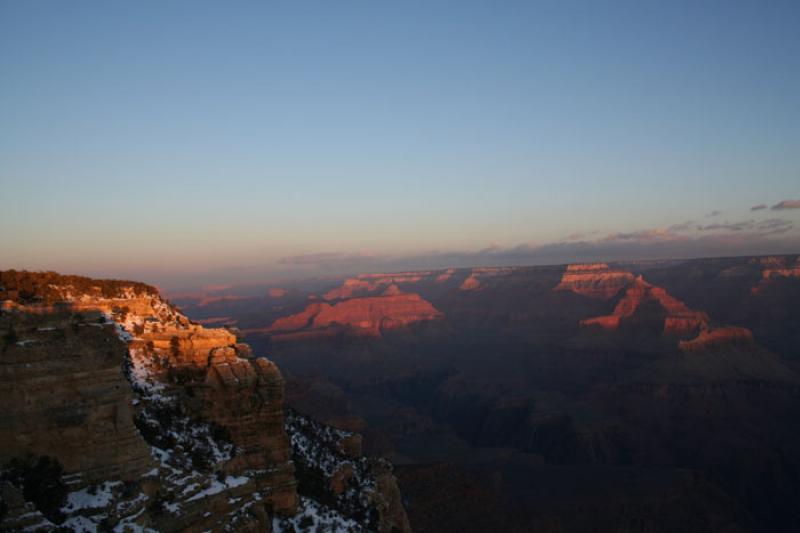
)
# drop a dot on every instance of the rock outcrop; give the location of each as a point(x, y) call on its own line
point(595, 280)
point(679, 320)
point(326, 459)
point(721, 337)
point(245, 396)
point(367, 316)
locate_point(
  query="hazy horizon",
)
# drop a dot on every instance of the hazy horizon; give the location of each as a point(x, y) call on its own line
point(188, 144)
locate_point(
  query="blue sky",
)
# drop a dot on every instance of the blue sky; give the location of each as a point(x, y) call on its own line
point(177, 140)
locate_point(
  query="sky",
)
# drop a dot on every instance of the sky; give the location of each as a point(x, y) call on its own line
point(199, 142)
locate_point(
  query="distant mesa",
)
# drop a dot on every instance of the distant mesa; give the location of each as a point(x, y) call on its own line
point(391, 290)
point(475, 281)
point(470, 284)
point(398, 277)
point(775, 267)
point(277, 293)
point(595, 280)
point(367, 284)
point(349, 288)
point(208, 300)
point(363, 316)
point(216, 320)
point(216, 287)
point(445, 276)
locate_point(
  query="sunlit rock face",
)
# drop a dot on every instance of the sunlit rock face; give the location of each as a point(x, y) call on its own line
point(595, 280)
point(367, 316)
point(369, 284)
point(693, 328)
point(679, 319)
point(470, 284)
point(445, 276)
point(718, 338)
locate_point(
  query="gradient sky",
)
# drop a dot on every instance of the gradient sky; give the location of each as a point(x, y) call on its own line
point(178, 142)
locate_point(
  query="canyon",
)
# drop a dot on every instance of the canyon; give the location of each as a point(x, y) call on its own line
point(644, 395)
point(160, 423)
point(647, 395)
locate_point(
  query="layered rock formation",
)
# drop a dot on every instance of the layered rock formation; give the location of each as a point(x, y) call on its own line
point(62, 393)
point(679, 319)
point(366, 284)
point(693, 328)
point(595, 280)
point(367, 316)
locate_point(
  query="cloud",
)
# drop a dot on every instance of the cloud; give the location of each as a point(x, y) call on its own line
point(646, 236)
point(713, 214)
point(786, 204)
point(771, 225)
point(728, 226)
point(680, 241)
point(683, 226)
point(329, 259)
point(758, 207)
point(775, 225)
point(579, 235)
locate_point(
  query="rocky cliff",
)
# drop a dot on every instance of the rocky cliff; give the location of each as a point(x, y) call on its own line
point(62, 393)
point(157, 422)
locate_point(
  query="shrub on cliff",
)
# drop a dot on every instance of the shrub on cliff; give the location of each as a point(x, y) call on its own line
point(41, 481)
point(26, 287)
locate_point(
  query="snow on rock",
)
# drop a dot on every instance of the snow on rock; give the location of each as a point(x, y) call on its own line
point(91, 497)
point(217, 486)
point(313, 516)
